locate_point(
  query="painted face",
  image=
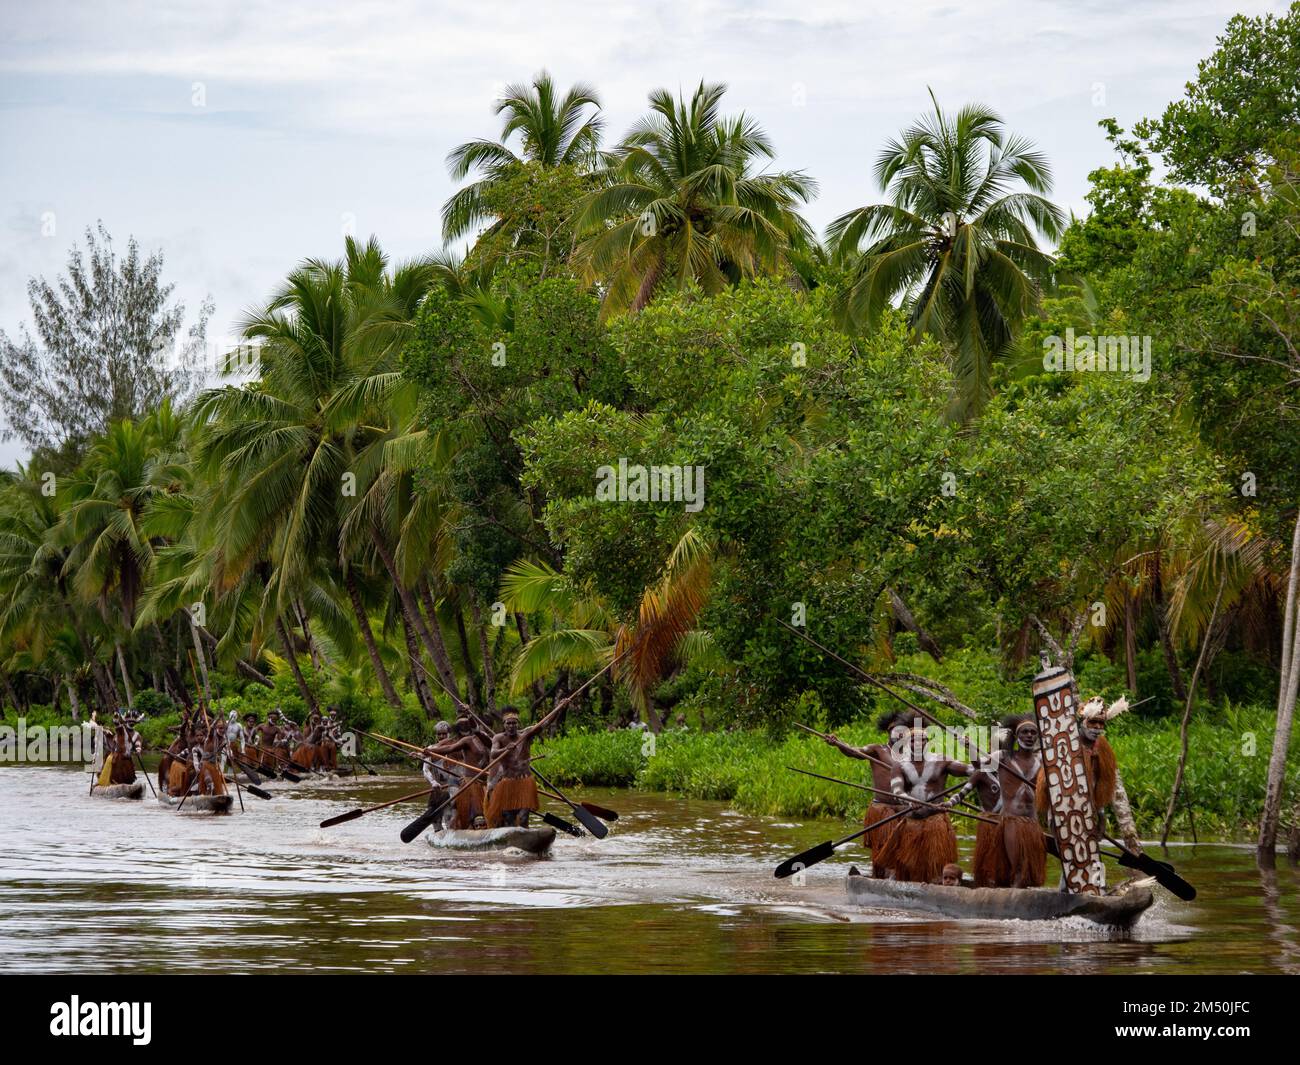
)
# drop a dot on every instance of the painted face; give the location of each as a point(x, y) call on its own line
point(1092, 727)
point(1027, 736)
point(511, 725)
point(442, 731)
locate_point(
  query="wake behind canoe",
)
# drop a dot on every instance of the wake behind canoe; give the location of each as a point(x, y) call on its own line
point(1000, 904)
point(530, 840)
point(200, 804)
point(118, 791)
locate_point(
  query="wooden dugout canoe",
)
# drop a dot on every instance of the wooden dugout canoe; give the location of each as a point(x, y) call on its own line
point(200, 804)
point(535, 841)
point(134, 790)
point(1000, 904)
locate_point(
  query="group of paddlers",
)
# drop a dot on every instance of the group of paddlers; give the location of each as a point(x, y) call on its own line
point(206, 745)
point(482, 779)
point(115, 750)
point(1006, 786)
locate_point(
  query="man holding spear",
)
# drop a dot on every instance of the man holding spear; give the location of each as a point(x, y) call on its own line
point(512, 789)
point(883, 803)
point(920, 846)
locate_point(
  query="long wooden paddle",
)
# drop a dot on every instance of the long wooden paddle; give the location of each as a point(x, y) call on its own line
point(352, 815)
point(560, 823)
point(248, 770)
point(147, 779)
point(823, 851)
point(590, 822)
point(600, 811)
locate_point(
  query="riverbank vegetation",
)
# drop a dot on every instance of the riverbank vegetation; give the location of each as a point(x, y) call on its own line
point(649, 415)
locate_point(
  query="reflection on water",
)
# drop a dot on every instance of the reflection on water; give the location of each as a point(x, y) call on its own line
point(678, 886)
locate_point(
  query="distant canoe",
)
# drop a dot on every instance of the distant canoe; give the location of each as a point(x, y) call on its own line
point(199, 804)
point(1000, 904)
point(530, 840)
point(134, 790)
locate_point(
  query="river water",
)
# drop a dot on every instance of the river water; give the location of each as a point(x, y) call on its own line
point(678, 886)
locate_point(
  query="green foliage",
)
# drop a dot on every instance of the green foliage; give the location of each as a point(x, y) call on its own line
point(1244, 94)
point(747, 769)
point(597, 759)
point(153, 703)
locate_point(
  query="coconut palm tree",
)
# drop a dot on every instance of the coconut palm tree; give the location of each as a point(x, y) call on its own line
point(956, 240)
point(37, 603)
point(681, 202)
point(661, 634)
point(553, 130)
point(281, 452)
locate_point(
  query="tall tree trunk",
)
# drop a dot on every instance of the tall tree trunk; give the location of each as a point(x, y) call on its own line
point(72, 697)
point(105, 692)
point(292, 655)
point(539, 689)
point(441, 656)
point(1206, 640)
point(412, 608)
point(467, 659)
point(9, 690)
point(1266, 851)
point(203, 659)
point(313, 652)
point(372, 649)
point(418, 681)
point(1130, 642)
point(903, 614)
point(126, 676)
point(1167, 638)
point(485, 653)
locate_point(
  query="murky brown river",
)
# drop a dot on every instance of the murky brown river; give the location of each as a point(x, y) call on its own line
point(677, 887)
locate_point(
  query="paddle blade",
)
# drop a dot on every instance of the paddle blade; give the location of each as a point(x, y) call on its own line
point(560, 824)
point(604, 813)
point(591, 824)
point(351, 815)
point(413, 830)
point(254, 790)
point(1162, 871)
point(809, 857)
point(293, 778)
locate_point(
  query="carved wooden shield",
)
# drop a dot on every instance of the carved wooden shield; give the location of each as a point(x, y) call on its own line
point(1071, 815)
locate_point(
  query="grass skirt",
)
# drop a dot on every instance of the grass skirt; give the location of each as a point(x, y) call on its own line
point(470, 802)
point(1026, 853)
point(511, 793)
point(919, 848)
point(179, 777)
point(305, 756)
point(991, 868)
point(878, 811)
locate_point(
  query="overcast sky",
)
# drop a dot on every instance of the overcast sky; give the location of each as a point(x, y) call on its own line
point(317, 115)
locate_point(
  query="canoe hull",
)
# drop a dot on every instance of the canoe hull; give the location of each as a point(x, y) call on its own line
point(535, 841)
point(118, 791)
point(200, 804)
point(1000, 904)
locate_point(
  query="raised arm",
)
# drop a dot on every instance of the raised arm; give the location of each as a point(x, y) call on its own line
point(844, 748)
